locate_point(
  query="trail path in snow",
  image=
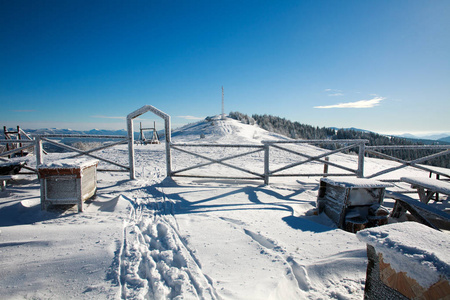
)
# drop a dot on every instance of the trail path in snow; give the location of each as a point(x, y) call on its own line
point(154, 261)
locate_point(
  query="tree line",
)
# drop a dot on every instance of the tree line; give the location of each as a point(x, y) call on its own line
point(296, 130)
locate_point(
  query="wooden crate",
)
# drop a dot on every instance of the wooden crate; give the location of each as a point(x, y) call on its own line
point(69, 181)
point(352, 203)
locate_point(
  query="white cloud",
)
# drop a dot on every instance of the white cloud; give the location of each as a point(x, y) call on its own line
point(334, 92)
point(358, 104)
point(190, 117)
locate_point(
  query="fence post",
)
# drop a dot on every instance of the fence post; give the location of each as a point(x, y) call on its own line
point(168, 134)
point(131, 147)
point(325, 167)
point(266, 163)
point(39, 152)
point(362, 150)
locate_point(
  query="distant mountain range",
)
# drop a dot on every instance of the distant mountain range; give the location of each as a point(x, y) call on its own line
point(443, 137)
point(44, 131)
point(426, 139)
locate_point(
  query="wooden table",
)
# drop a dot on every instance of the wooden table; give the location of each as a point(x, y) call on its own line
point(427, 187)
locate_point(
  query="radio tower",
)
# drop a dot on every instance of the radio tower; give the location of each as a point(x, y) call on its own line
point(223, 111)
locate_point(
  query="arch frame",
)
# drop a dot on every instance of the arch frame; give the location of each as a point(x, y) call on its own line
point(167, 132)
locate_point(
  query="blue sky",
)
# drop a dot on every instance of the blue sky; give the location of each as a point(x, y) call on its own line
point(376, 65)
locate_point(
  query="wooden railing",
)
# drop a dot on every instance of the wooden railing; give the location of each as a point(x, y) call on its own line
point(47, 138)
point(345, 145)
point(267, 172)
point(221, 161)
point(29, 143)
point(375, 150)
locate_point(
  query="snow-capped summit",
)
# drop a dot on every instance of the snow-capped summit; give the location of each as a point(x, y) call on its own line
point(215, 130)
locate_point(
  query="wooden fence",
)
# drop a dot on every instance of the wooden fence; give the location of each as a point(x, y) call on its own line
point(28, 144)
point(221, 161)
point(38, 141)
point(345, 145)
point(375, 150)
point(47, 138)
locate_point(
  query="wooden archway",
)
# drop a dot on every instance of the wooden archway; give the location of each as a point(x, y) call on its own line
point(167, 131)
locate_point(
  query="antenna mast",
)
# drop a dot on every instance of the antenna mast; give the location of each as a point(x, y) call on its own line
point(223, 111)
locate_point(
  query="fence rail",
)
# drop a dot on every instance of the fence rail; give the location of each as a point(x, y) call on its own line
point(348, 144)
point(363, 150)
point(375, 150)
point(39, 139)
point(220, 161)
point(46, 138)
point(345, 145)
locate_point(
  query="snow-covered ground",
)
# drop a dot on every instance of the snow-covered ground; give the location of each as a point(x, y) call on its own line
point(158, 238)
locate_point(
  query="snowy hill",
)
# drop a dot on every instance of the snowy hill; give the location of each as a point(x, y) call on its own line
point(215, 130)
point(158, 238)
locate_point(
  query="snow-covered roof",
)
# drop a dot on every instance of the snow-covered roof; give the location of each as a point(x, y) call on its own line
point(355, 182)
point(430, 183)
point(69, 163)
point(418, 250)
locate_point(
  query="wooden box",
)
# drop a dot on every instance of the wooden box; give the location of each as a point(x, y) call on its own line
point(71, 181)
point(352, 203)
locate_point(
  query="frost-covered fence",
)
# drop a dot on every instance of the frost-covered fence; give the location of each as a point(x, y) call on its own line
point(344, 146)
point(28, 144)
point(265, 159)
point(47, 138)
point(300, 156)
point(221, 161)
point(376, 151)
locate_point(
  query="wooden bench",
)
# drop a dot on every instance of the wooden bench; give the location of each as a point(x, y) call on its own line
point(422, 212)
point(427, 187)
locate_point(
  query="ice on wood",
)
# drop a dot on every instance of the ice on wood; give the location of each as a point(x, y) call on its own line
point(416, 249)
point(69, 163)
point(433, 184)
point(356, 182)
